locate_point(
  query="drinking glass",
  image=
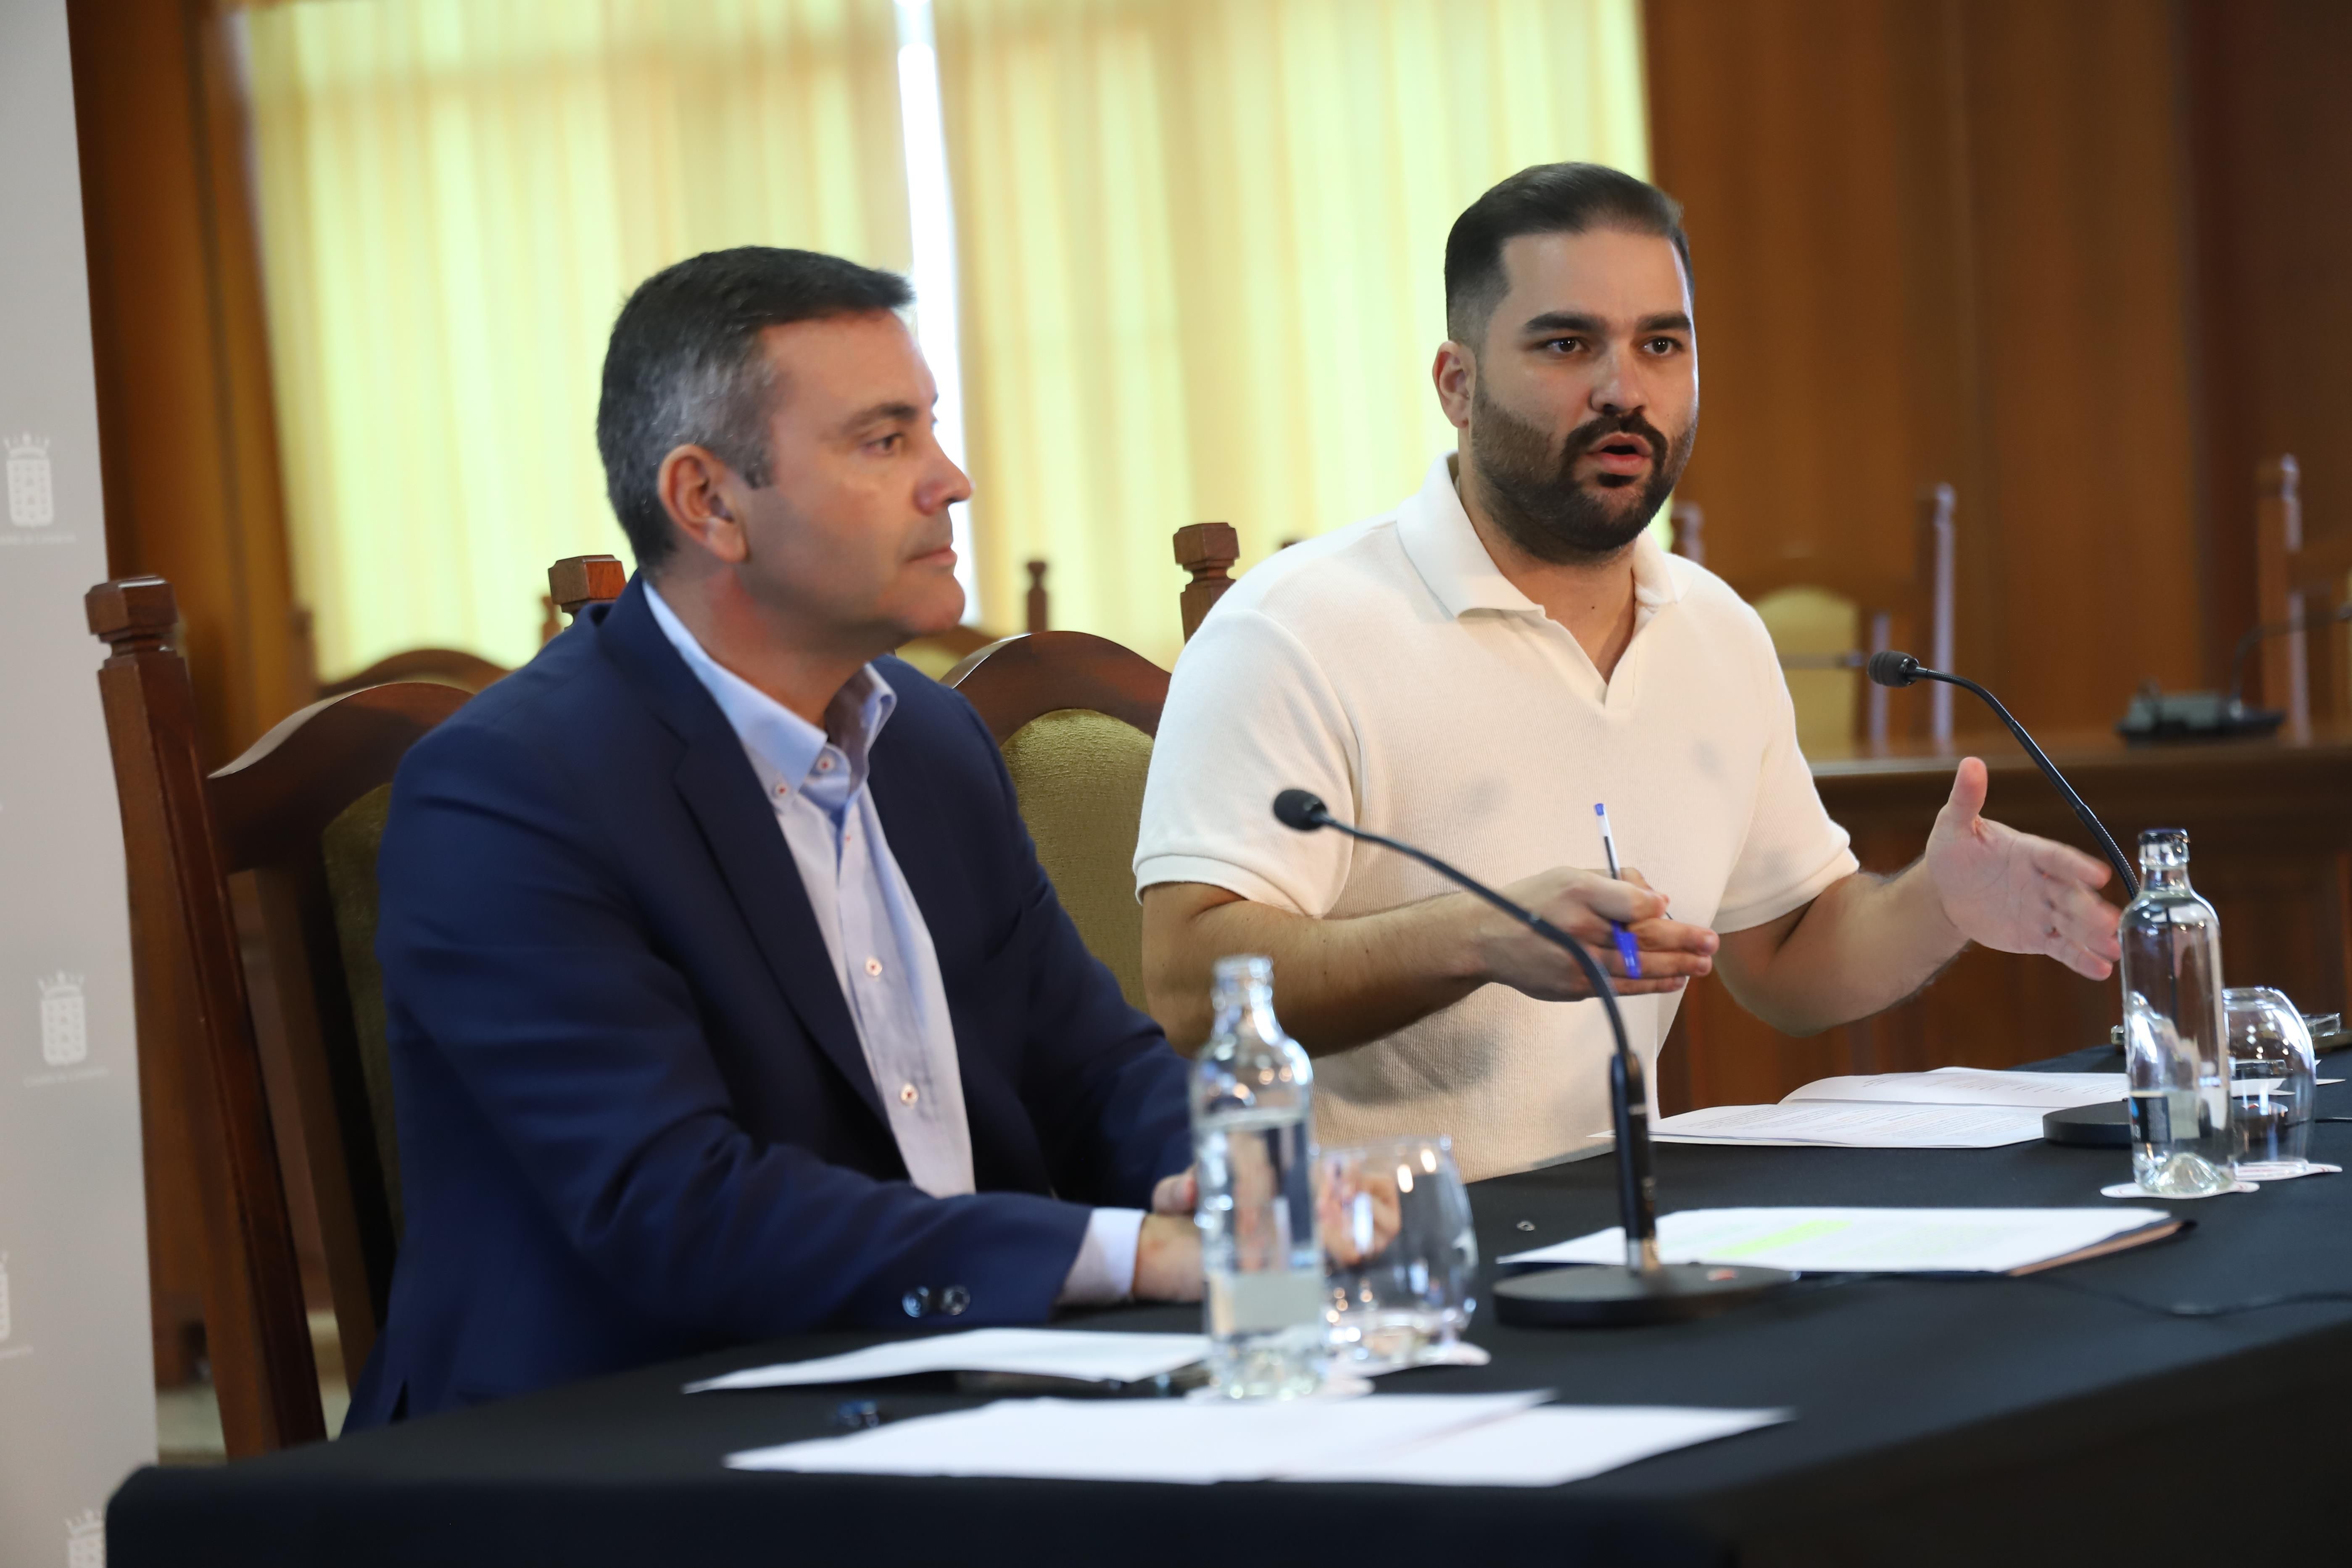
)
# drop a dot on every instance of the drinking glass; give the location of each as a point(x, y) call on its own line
point(1399, 1261)
point(2273, 1079)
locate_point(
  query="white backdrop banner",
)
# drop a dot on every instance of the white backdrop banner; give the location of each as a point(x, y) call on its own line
point(76, 1368)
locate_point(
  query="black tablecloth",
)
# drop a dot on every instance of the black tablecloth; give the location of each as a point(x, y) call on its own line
point(2045, 1419)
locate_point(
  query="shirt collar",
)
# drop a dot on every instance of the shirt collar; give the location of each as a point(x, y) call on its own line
point(785, 747)
point(1445, 549)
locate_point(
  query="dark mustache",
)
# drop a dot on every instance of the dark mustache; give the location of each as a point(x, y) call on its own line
point(1609, 427)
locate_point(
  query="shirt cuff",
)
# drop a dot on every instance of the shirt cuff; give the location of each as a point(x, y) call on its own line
point(1105, 1270)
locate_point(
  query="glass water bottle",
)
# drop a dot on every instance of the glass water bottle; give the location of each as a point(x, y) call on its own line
point(2176, 1047)
point(1252, 1134)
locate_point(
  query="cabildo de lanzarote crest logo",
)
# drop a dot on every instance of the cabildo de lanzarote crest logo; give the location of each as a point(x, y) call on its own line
point(86, 1540)
point(65, 1021)
point(32, 495)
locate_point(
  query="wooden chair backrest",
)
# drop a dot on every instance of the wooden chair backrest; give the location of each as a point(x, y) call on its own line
point(1893, 610)
point(1015, 679)
point(1051, 701)
point(184, 835)
point(2299, 579)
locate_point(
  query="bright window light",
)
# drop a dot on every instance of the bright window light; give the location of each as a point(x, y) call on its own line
point(931, 212)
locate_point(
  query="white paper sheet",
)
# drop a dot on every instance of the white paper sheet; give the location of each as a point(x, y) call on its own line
point(1862, 1240)
point(1547, 1446)
point(1853, 1125)
point(1048, 1352)
point(1971, 1086)
point(1170, 1440)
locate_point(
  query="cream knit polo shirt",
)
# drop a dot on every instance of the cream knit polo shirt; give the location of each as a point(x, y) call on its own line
point(1391, 669)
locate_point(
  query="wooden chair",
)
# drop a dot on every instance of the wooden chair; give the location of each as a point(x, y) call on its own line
point(1074, 715)
point(2301, 582)
point(274, 814)
point(1828, 622)
point(298, 1087)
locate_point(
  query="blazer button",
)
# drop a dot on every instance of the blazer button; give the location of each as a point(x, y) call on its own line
point(954, 1299)
point(907, 1094)
point(917, 1302)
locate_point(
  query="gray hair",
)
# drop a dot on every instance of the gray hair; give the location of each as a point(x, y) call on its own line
point(685, 368)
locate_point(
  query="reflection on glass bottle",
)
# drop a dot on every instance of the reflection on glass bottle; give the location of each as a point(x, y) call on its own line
point(2176, 1049)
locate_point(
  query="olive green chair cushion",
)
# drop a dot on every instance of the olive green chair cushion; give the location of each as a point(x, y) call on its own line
point(349, 848)
point(1079, 775)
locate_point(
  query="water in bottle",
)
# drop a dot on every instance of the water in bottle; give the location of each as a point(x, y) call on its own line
point(1252, 1134)
point(2176, 1048)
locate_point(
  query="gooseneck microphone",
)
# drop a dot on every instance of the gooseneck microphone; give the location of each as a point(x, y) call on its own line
point(1891, 668)
point(1644, 1290)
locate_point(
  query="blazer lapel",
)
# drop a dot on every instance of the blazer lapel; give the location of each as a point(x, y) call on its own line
point(716, 781)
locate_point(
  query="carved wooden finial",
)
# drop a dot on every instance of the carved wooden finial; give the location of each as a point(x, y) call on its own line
point(1040, 605)
point(1205, 550)
point(577, 581)
point(131, 614)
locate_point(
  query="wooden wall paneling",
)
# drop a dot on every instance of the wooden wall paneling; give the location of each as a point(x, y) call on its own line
point(1943, 240)
point(2080, 189)
point(186, 424)
point(2270, 148)
point(1822, 197)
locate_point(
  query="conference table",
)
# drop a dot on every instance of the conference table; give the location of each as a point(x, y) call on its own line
point(2058, 1417)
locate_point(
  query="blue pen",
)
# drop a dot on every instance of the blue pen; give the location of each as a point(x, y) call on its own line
point(1625, 948)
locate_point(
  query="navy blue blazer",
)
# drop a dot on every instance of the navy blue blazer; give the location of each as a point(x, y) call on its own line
point(635, 1118)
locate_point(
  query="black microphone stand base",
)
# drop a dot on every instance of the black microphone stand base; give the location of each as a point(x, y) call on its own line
point(1612, 1296)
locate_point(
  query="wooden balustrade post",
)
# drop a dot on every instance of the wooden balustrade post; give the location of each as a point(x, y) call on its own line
point(1689, 525)
point(2278, 539)
point(1936, 566)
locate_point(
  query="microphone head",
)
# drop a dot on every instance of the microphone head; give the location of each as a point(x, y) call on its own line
point(1300, 809)
point(1894, 668)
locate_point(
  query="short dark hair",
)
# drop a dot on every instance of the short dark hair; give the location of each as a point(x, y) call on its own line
point(1547, 198)
point(684, 367)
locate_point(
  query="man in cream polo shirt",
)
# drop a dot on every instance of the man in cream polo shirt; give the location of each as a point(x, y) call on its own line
point(1472, 672)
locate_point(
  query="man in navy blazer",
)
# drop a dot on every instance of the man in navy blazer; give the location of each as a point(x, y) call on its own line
point(727, 997)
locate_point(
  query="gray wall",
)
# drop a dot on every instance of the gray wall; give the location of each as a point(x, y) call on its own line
point(76, 1378)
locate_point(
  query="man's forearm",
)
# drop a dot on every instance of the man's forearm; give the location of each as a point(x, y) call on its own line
point(1337, 982)
point(1864, 945)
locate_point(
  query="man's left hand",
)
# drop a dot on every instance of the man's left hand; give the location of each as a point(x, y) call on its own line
point(2014, 892)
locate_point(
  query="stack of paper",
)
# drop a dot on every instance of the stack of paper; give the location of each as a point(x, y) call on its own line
point(1484, 1439)
point(1951, 1108)
point(1878, 1241)
point(1038, 1352)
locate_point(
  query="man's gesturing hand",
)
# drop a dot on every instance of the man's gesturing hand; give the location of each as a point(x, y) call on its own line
point(2016, 893)
point(1582, 903)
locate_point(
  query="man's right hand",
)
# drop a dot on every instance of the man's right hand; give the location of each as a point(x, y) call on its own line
point(1582, 903)
point(1168, 1260)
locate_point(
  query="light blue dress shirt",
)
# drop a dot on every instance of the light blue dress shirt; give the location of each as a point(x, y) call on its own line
point(881, 950)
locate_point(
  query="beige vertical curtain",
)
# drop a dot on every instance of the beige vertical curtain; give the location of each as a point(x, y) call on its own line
point(456, 196)
point(1201, 245)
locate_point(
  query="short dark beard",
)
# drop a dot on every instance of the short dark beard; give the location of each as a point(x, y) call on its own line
point(1532, 493)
